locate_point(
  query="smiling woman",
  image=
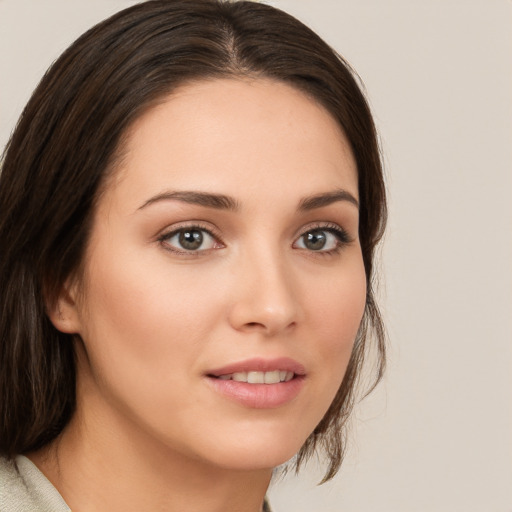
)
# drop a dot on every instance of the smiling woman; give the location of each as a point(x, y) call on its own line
point(190, 206)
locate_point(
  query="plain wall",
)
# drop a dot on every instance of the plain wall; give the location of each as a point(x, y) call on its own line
point(437, 435)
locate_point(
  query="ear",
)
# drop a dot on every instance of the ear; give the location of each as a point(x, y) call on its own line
point(63, 313)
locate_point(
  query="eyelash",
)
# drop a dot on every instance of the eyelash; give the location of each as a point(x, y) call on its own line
point(165, 237)
point(342, 236)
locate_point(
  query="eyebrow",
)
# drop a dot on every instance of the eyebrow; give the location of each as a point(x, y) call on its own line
point(223, 202)
point(217, 201)
point(327, 198)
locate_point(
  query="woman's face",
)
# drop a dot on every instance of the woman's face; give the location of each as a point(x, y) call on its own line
point(224, 253)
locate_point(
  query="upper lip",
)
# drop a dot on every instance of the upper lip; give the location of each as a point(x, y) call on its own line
point(260, 365)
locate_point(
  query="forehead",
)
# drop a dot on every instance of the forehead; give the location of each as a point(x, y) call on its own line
point(232, 135)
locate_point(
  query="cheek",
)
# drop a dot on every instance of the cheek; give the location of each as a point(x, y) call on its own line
point(146, 327)
point(337, 310)
point(142, 315)
point(340, 304)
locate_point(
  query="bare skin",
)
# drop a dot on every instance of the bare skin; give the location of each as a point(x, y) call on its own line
point(229, 234)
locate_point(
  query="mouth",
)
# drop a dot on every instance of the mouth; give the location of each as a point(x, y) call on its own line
point(255, 377)
point(259, 383)
point(260, 371)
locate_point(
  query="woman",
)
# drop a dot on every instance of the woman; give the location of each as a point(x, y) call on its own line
point(189, 208)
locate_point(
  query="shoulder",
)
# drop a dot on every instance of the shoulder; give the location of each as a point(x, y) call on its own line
point(23, 488)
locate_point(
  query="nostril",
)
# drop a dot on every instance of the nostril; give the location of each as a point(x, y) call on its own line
point(255, 326)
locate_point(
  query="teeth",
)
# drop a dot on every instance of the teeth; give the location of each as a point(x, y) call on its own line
point(255, 377)
point(240, 376)
point(273, 377)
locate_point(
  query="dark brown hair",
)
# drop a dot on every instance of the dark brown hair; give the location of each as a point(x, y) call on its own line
point(65, 145)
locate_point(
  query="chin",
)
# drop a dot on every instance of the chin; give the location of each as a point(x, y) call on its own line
point(247, 460)
point(256, 450)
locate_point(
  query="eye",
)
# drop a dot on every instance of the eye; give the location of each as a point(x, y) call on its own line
point(190, 239)
point(325, 239)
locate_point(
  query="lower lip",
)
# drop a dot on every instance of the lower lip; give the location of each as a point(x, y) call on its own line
point(259, 396)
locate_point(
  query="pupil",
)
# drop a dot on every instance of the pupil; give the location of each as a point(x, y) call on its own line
point(191, 239)
point(315, 240)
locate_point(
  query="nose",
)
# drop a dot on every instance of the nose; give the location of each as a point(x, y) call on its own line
point(264, 299)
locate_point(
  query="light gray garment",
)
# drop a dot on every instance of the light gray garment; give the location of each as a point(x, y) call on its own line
point(23, 488)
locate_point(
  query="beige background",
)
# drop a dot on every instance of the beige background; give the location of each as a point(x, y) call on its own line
point(437, 436)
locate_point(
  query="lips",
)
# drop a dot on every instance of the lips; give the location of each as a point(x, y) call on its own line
point(259, 383)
